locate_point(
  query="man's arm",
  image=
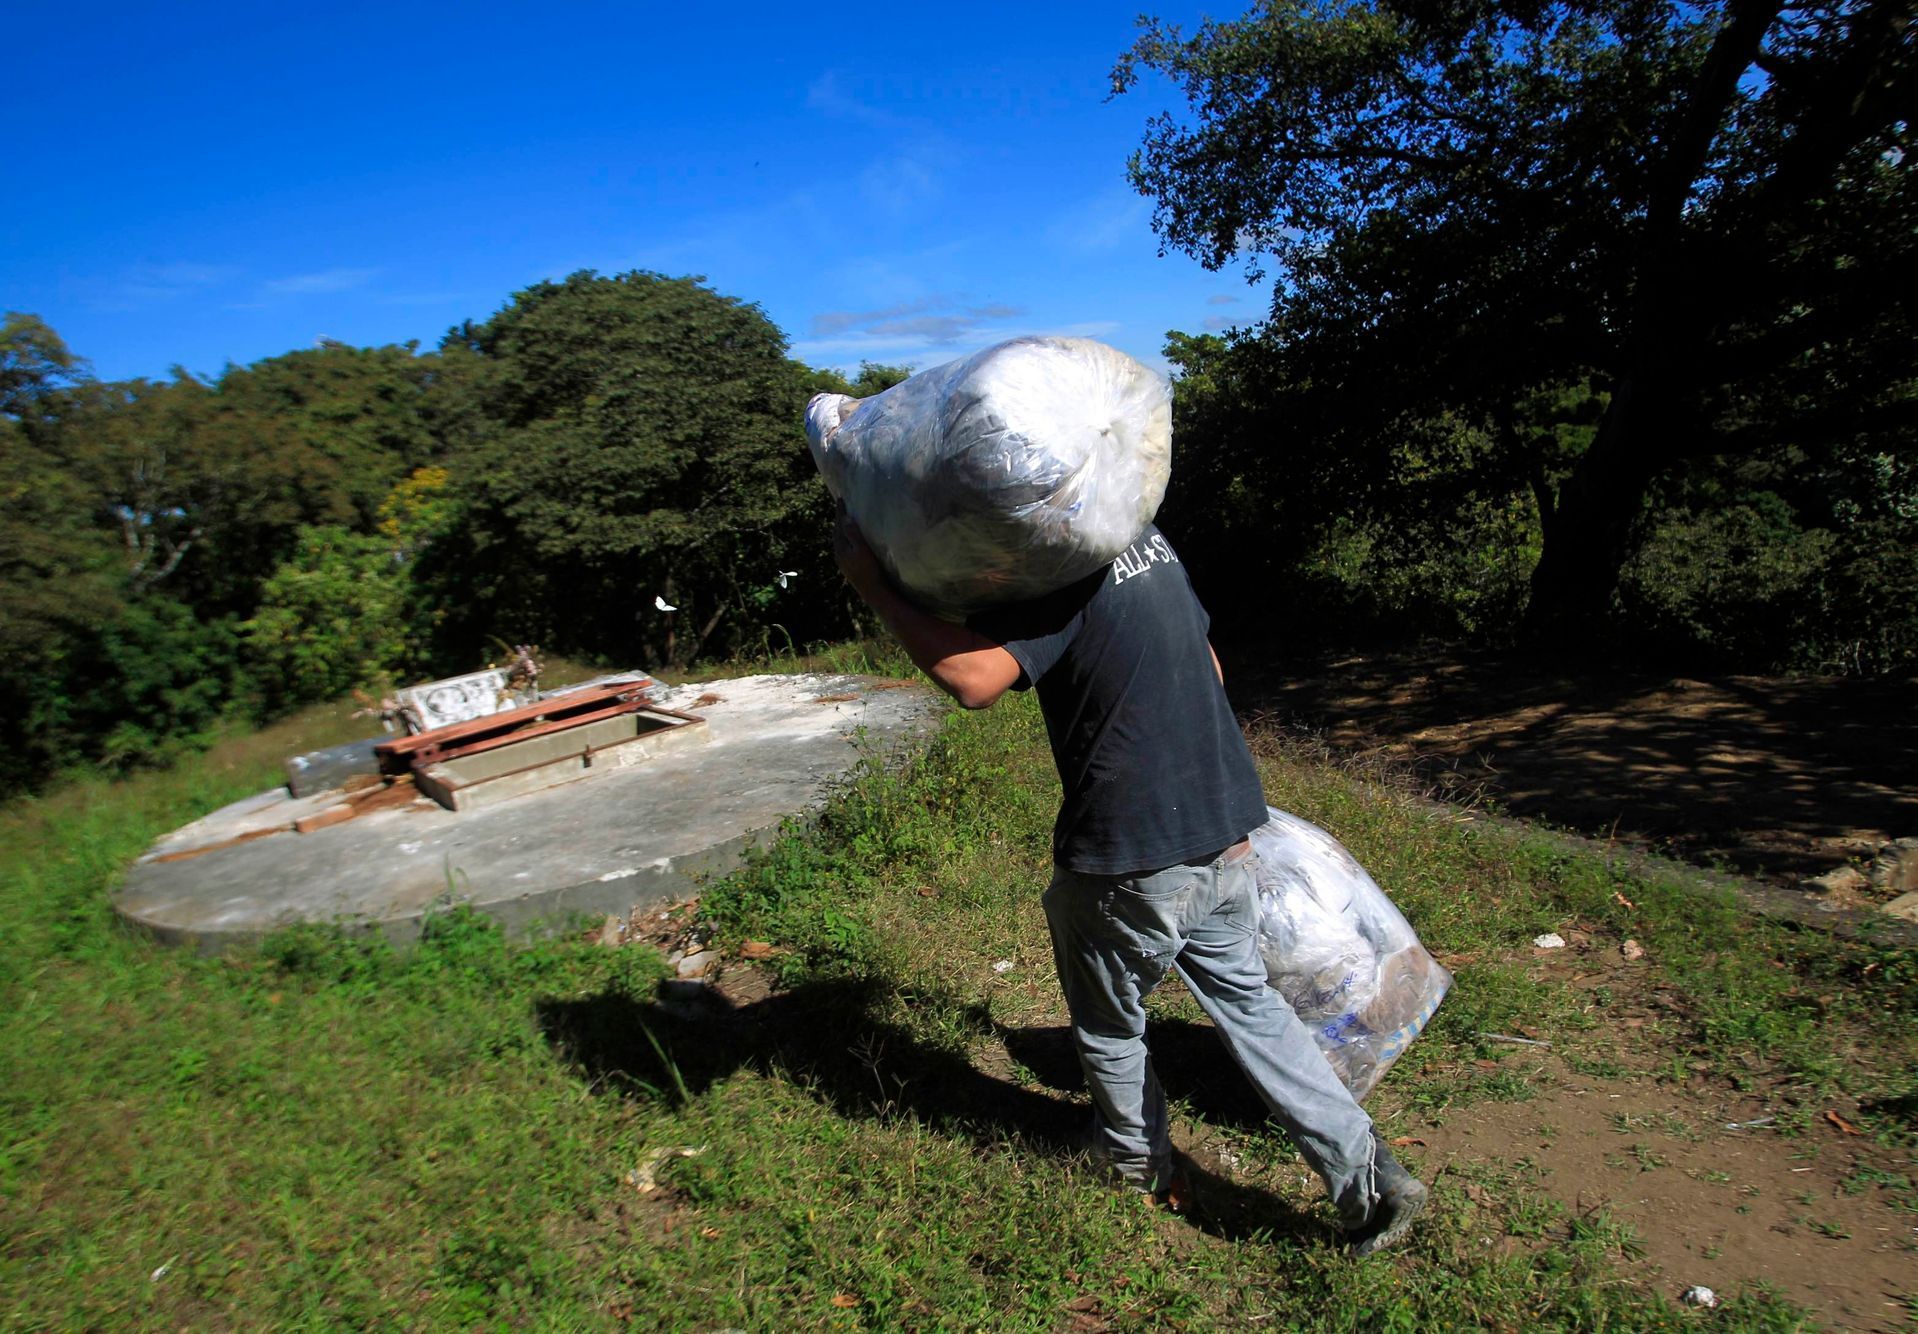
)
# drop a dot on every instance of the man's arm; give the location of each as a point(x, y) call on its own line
point(962, 662)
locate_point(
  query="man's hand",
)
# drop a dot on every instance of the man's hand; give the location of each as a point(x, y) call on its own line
point(965, 664)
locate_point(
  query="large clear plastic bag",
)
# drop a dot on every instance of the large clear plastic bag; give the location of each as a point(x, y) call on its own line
point(1339, 952)
point(1003, 476)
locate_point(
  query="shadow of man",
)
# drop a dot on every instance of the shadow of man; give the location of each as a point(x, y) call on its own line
point(827, 1038)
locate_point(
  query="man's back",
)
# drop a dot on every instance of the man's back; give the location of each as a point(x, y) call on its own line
point(1154, 768)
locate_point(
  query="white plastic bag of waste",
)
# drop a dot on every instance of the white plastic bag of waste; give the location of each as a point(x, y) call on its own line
point(1340, 953)
point(1003, 476)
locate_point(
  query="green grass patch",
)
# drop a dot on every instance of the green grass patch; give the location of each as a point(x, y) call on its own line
point(328, 1132)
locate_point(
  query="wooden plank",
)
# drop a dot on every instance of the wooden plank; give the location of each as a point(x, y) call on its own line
point(505, 720)
point(440, 738)
point(483, 744)
point(332, 815)
point(399, 792)
point(251, 834)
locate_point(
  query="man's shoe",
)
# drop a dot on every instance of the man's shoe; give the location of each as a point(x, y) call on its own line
point(1169, 1186)
point(1401, 1199)
point(1172, 1188)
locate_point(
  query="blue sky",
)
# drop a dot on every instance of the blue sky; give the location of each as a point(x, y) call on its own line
point(199, 184)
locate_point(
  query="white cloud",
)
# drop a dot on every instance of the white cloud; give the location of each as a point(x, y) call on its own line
point(1104, 222)
point(918, 341)
point(838, 321)
point(899, 185)
point(148, 284)
point(1086, 329)
point(923, 324)
point(324, 282)
point(826, 94)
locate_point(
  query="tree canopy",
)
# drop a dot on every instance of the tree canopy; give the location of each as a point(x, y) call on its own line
point(1693, 216)
point(635, 438)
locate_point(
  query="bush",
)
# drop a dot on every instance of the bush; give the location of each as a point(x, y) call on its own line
point(1738, 586)
point(134, 689)
point(331, 618)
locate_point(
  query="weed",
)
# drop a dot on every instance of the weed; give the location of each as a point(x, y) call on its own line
point(1594, 1067)
point(1607, 1233)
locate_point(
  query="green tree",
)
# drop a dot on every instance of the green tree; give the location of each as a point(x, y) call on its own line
point(627, 439)
point(333, 616)
point(1694, 216)
point(874, 377)
point(356, 418)
point(138, 521)
point(34, 363)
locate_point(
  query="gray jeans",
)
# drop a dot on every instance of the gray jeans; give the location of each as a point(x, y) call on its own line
point(1113, 937)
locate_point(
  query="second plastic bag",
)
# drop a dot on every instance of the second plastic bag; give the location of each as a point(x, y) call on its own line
point(1003, 476)
point(1340, 952)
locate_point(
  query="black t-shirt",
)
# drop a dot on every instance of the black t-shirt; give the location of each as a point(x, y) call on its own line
point(1155, 769)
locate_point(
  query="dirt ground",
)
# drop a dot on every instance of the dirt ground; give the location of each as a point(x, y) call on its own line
point(1779, 779)
point(1717, 1189)
point(1775, 779)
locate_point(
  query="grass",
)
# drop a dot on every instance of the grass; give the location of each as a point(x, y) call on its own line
point(327, 1133)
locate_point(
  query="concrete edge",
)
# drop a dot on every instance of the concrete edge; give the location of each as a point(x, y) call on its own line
point(562, 909)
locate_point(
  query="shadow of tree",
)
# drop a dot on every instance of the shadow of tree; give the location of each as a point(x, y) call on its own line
point(827, 1038)
point(1773, 776)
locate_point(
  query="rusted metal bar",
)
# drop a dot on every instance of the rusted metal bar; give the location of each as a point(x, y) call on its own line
point(436, 754)
point(509, 720)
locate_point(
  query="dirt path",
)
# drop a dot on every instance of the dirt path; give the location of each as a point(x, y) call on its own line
point(1720, 1187)
point(1776, 778)
point(1712, 1198)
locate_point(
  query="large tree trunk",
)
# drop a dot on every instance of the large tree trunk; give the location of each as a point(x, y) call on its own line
point(1588, 528)
point(1587, 532)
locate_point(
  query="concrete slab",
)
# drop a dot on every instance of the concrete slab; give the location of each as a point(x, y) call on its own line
point(604, 843)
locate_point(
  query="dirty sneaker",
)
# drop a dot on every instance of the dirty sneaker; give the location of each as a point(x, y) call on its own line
point(1401, 1199)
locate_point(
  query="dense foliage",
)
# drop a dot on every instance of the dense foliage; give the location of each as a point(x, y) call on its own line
point(633, 441)
point(1614, 281)
point(341, 517)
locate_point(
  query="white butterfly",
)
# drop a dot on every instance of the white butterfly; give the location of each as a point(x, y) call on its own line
point(663, 604)
point(784, 575)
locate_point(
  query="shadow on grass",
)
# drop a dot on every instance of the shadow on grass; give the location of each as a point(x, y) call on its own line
point(825, 1037)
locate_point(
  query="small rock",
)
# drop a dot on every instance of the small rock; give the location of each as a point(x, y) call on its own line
point(1551, 940)
point(688, 1000)
point(1895, 869)
point(1631, 949)
point(1904, 906)
point(645, 1177)
point(1003, 966)
point(697, 964)
point(1700, 1295)
point(1843, 882)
